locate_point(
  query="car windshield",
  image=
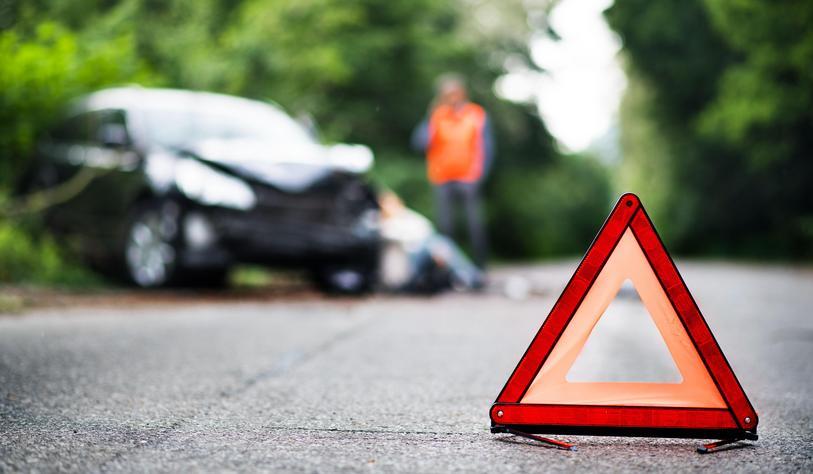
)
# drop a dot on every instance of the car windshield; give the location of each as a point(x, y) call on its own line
point(179, 125)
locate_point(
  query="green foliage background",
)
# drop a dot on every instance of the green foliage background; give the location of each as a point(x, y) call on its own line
point(715, 125)
point(364, 69)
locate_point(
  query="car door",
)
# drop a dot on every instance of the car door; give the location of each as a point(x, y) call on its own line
point(97, 146)
point(60, 158)
point(118, 179)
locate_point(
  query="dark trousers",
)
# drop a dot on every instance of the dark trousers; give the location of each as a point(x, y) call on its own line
point(447, 197)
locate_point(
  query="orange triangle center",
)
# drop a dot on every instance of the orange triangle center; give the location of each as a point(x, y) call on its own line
point(627, 262)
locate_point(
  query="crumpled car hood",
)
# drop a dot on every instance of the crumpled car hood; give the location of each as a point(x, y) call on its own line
point(288, 167)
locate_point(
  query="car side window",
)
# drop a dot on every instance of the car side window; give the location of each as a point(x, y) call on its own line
point(108, 128)
point(72, 130)
point(102, 127)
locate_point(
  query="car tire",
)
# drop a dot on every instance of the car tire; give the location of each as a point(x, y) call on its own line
point(151, 245)
point(212, 278)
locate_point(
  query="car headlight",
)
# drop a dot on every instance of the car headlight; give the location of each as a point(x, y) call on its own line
point(208, 186)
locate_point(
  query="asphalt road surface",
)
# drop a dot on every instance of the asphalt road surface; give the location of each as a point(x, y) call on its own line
point(385, 384)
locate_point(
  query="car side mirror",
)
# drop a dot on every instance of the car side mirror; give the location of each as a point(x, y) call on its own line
point(113, 135)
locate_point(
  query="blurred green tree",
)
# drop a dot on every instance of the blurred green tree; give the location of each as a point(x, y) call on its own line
point(730, 99)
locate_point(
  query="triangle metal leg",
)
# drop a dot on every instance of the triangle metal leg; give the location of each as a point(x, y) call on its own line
point(548, 441)
point(716, 445)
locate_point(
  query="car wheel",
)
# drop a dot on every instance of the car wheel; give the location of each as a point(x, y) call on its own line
point(150, 253)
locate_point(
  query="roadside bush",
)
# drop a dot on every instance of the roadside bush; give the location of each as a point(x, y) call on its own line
point(537, 212)
point(28, 258)
point(40, 71)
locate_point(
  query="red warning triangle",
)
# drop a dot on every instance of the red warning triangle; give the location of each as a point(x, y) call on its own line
point(708, 401)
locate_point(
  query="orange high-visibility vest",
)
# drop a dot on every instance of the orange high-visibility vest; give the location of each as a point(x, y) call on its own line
point(456, 150)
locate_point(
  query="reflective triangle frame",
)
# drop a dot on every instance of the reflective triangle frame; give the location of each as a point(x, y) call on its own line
point(737, 421)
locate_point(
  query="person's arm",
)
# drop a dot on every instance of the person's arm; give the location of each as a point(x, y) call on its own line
point(489, 147)
point(420, 136)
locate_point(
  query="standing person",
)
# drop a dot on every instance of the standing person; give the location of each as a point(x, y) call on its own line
point(459, 150)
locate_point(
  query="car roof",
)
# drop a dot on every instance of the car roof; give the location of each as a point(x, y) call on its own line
point(143, 97)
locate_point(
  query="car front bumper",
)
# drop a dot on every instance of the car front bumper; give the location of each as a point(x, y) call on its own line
point(247, 238)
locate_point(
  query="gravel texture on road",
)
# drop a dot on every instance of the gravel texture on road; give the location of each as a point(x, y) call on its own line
point(386, 384)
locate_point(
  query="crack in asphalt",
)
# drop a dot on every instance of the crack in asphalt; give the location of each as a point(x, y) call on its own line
point(287, 362)
point(291, 359)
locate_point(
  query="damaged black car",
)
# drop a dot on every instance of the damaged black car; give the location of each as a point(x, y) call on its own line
point(184, 185)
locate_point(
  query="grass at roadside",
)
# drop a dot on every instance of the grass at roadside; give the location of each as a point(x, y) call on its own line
point(33, 258)
point(11, 303)
point(252, 277)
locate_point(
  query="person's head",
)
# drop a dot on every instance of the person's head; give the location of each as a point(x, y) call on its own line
point(451, 90)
